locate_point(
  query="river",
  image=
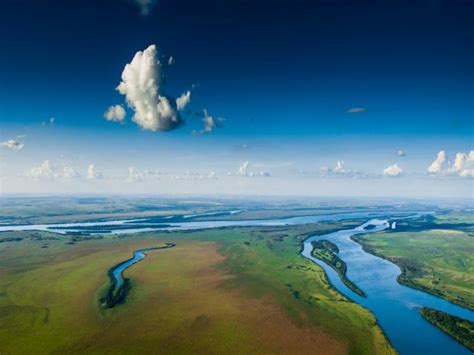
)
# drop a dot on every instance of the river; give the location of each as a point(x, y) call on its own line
point(395, 306)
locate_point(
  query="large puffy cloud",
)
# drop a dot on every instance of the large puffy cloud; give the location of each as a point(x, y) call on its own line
point(142, 85)
point(462, 166)
point(393, 170)
point(12, 144)
point(115, 113)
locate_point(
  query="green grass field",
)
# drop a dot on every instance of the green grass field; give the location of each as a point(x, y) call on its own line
point(243, 290)
point(440, 261)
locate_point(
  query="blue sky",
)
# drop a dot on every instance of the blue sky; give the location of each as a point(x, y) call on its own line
point(283, 75)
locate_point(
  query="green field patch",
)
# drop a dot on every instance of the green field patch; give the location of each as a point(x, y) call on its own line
point(460, 329)
point(327, 251)
point(438, 261)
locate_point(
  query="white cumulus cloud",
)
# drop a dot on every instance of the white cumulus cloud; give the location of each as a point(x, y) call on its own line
point(46, 170)
point(12, 144)
point(142, 85)
point(115, 113)
point(463, 165)
point(437, 166)
point(393, 170)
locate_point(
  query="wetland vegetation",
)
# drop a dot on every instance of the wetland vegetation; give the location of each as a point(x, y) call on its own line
point(460, 329)
point(178, 298)
point(327, 252)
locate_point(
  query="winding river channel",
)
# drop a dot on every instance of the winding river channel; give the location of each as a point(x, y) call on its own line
point(395, 306)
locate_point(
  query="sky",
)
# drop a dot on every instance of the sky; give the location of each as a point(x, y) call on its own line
point(323, 98)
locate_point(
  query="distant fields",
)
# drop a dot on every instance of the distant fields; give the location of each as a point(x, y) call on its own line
point(440, 261)
point(242, 290)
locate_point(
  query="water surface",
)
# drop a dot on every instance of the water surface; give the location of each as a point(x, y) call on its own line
point(395, 306)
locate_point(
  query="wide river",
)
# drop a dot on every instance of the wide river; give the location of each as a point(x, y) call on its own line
point(395, 306)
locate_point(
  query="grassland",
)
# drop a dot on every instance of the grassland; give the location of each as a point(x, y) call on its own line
point(460, 329)
point(439, 261)
point(327, 252)
point(243, 290)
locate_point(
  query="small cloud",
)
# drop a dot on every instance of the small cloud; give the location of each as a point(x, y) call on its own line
point(134, 175)
point(51, 121)
point(21, 136)
point(401, 153)
point(46, 170)
point(437, 166)
point(70, 173)
point(210, 123)
point(183, 100)
point(393, 170)
point(92, 174)
point(341, 170)
point(356, 110)
point(171, 60)
point(241, 146)
point(244, 171)
point(12, 144)
point(115, 113)
point(145, 6)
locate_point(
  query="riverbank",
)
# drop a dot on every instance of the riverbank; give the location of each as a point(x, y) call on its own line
point(327, 252)
point(121, 286)
point(440, 262)
point(460, 329)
